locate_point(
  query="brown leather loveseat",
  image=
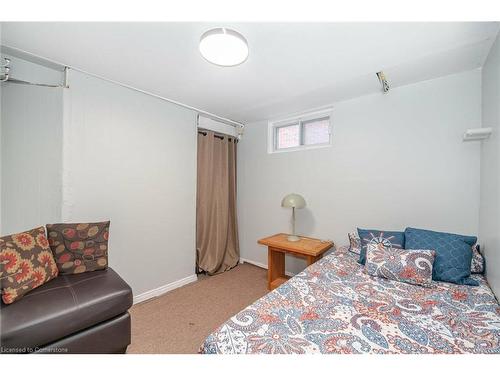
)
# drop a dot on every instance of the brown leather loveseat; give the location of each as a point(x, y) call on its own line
point(82, 313)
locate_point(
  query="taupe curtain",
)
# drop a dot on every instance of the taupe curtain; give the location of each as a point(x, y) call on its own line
point(216, 222)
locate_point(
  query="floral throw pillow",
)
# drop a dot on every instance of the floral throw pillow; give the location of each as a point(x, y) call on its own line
point(26, 262)
point(354, 243)
point(477, 263)
point(375, 237)
point(407, 266)
point(80, 247)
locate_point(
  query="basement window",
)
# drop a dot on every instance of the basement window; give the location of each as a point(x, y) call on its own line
point(310, 130)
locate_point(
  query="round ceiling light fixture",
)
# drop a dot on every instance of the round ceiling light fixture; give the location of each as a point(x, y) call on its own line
point(224, 47)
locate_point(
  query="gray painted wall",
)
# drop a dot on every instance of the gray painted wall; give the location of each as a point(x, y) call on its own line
point(397, 160)
point(489, 217)
point(131, 158)
point(31, 150)
point(1, 91)
point(99, 151)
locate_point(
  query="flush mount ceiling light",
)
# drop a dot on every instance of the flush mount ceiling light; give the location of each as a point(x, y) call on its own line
point(224, 47)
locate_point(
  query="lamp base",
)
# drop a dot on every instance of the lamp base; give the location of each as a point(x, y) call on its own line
point(293, 238)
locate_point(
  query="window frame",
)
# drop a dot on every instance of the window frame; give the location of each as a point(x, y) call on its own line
point(275, 125)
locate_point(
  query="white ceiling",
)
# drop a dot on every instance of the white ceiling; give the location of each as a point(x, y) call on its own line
point(291, 66)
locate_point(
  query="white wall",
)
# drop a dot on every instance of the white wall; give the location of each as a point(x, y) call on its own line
point(489, 217)
point(99, 151)
point(131, 158)
point(31, 151)
point(397, 160)
point(1, 90)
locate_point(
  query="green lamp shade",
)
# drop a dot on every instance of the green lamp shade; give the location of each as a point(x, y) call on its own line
point(293, 201)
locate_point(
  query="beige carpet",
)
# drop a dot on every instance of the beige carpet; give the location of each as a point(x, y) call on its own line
point(180, 320)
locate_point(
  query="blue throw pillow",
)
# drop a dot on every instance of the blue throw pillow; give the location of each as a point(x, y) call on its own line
point(375, 237)
point(453, 254)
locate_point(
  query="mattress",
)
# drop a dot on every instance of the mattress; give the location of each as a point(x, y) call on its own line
point(334, 307)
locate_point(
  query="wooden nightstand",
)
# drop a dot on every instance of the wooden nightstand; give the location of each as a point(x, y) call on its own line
point(278, 245)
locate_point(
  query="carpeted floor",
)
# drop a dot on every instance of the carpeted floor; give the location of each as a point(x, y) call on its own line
point(180, 320)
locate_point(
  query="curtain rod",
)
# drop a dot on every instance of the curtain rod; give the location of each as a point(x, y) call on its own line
point(209, 114)
point(21, 82)
point(217, 135)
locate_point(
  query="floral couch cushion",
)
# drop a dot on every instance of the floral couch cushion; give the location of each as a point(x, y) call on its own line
point(80, 247)
point(26, 262)
point(408, 266)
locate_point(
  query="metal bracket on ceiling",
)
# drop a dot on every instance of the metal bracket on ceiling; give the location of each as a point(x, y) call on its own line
point(5, 76)
point(240, 129)
point(66, 78)
point(383, 82)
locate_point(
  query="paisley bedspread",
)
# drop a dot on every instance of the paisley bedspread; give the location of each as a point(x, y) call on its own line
point(333, 306)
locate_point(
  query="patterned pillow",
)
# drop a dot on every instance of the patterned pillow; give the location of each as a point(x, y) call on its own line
point(375, 237)
point(79, 248)
point(407, 266)
point(477, 264)
point(354, 243)
point(453, 254)
point(26, 262)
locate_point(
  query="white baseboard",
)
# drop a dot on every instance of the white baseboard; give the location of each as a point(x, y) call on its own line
point(164, 289)
point(262, 265)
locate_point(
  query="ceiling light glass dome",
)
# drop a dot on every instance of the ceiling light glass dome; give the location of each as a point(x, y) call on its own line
point(224, 47)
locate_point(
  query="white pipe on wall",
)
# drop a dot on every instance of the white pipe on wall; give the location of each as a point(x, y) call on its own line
point(33, 57)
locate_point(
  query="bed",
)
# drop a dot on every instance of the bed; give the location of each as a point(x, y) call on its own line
point(334, 307)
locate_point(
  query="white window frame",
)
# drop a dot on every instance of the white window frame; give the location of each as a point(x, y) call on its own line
point(274, 125)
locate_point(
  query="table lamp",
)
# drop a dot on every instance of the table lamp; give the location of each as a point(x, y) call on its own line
point(294, 201)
